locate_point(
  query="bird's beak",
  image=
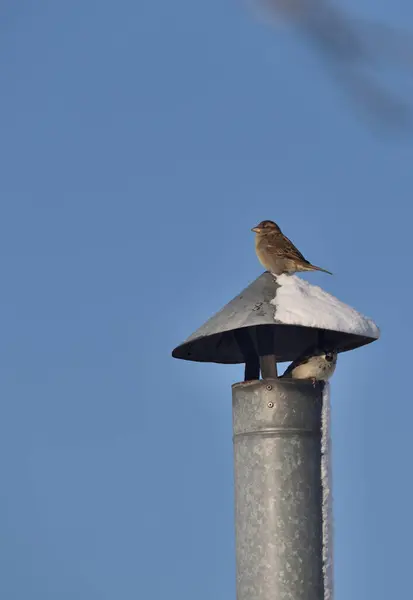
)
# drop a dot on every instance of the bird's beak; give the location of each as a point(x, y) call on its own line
point(256, 229)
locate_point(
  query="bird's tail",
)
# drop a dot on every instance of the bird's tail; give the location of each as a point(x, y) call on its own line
point(314, 268)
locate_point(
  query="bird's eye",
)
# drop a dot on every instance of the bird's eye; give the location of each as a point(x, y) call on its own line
point(329, 356)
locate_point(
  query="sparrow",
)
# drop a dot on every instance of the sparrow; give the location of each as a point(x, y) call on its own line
point(316, 366)
point(277, 253)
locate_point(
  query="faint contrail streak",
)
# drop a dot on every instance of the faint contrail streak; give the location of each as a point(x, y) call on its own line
point(350, 49)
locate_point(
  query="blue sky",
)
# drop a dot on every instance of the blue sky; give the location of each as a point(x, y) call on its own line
point(140, 142)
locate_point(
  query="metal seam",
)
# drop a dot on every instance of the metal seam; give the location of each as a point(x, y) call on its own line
point(280, 432)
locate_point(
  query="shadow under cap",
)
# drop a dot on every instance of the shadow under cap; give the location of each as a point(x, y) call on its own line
point(257, 322)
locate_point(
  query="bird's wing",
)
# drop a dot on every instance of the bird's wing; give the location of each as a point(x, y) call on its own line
point(285, 248)
point(301, 360)
point(295, 364)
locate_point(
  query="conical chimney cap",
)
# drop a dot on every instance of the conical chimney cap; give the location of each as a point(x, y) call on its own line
point(283, 316)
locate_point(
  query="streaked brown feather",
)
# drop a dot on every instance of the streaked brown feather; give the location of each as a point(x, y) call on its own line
point(282, 246)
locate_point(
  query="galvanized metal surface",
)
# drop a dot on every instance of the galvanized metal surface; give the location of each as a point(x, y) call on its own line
point(248, 326)
point(278, 492)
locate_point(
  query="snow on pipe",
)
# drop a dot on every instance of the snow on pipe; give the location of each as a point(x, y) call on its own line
point(327, 488)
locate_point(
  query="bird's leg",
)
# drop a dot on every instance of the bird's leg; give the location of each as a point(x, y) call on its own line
point(313, 381)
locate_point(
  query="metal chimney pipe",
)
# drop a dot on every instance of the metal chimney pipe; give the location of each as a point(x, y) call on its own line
point(278, 490)
point(283, 513)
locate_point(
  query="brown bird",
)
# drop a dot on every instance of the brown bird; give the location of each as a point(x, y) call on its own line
point(277, 253)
